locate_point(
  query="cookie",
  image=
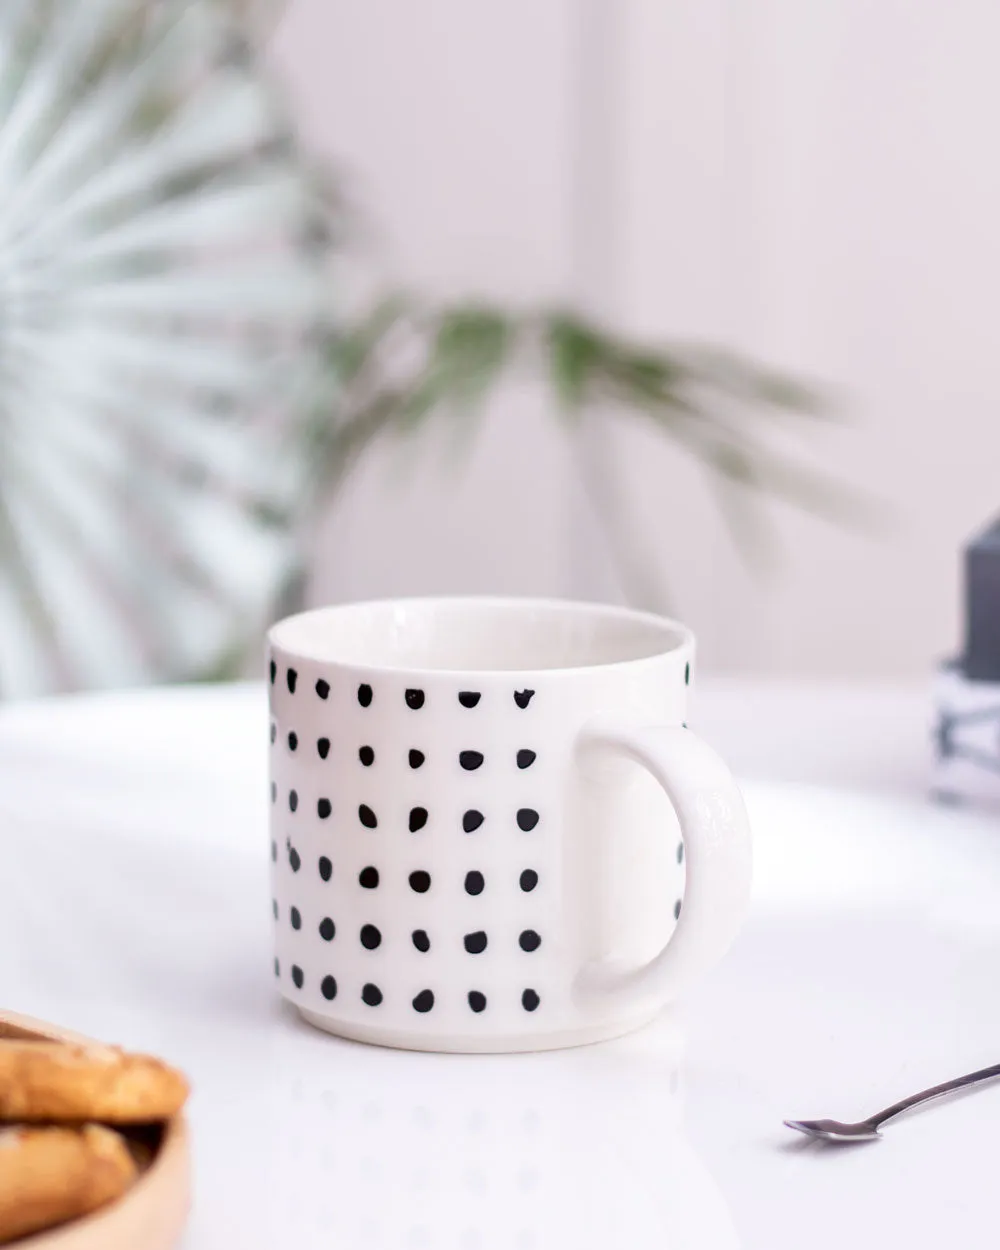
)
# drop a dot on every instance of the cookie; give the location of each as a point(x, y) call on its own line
point(49, 1175)
point(42, 1081)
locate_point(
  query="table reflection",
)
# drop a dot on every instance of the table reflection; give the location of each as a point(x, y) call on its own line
point(584, 1148)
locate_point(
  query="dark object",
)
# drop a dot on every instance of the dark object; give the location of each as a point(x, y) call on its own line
point(981, 659)
point(469, 698)
point(414, 699)
point(470, 760)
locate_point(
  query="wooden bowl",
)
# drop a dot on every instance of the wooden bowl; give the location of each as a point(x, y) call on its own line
point(151, 1215)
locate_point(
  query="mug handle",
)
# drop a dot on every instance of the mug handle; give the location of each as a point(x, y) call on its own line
point(717, 847)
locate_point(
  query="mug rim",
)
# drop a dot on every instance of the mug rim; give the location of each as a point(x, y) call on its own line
point(677, 638)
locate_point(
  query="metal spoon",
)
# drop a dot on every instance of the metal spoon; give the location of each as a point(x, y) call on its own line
point(867, 1130)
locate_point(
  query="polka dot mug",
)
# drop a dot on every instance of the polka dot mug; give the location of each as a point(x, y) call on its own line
point(491, 829)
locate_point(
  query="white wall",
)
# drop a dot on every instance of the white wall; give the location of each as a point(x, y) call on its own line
point(813, 180)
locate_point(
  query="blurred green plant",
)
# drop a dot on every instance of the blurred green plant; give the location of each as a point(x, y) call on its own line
point(406, 361)
point(180, 393)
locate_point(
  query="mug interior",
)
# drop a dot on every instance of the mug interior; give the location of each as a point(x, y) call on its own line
point(481, 635)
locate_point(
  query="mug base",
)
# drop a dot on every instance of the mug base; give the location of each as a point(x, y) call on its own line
point(471, 1044)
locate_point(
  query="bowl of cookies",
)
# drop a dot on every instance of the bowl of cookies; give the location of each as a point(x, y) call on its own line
point(93, 1144)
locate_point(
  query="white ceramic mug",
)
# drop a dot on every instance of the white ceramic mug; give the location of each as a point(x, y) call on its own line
point(490, 829)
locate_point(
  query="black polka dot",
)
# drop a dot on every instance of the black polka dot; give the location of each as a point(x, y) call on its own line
point(424, 1001)
point(420, 940)
point(367, 816)
point(274, 907)
point(277, 968)
point(274, 672)
point(475, 943)
point(322, 688)
point(530, 1000)
point(367, 756)
point(528, 880)
point(371, 994)
point(274, 852)
point(294, 859)
point(328, 987)
point(323, 808)
point(414, 699)
point(420, 881)
point(297, 976)
point(523, 697)
point(325, 868)
point(327, 929)
point(368, 877)
point(474, 883)
point(274, 731)
point(364, 694)
point(525, 758)
point(295, 918)
point(293, 800)
point(527, 818)
point(416, 758)
point(469, 698)
point(293, 677)
point(293, 741)
point(529, 940)
point(477, 1001)
point(471, 820)
point(323, 747)
point(677, 910)
point(470, 760)
point(687, 674)
point(680, 852)
point(274, 792)
point(418, 818)
point(371, 939)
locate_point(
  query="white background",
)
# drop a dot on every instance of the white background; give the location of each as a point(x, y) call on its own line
point(815, 181)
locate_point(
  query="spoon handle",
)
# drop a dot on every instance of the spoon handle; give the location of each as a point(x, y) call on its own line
point(935, 1091)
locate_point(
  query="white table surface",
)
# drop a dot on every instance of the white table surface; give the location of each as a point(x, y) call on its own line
point(135, 907)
